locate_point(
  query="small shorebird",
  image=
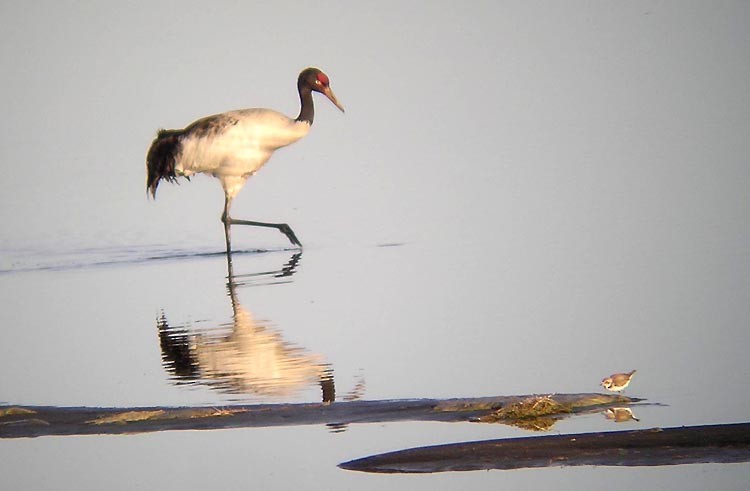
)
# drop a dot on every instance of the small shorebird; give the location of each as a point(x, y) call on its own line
point(232, 146)
point(617, 381)
point(620, 414)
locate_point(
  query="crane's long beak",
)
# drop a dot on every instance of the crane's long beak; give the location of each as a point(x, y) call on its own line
point(329, 93)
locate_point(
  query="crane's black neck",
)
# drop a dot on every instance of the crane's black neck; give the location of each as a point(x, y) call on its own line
point(307, 109)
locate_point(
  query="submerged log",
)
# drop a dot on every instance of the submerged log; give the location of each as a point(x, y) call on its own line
point(728, 443)
point(32, 421)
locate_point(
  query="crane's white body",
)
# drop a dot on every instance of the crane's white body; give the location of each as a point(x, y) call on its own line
point(232, 146)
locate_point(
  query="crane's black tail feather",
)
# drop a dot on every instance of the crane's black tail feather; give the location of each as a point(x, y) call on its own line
point(160, 162)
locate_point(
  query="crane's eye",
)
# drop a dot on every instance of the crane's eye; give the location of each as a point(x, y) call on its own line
point(322, 79)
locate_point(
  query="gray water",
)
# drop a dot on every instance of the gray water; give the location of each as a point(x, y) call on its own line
point(405, 321)
point(521, 198)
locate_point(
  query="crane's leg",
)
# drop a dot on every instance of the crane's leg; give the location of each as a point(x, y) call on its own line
point(228, 221)
point(227, 228)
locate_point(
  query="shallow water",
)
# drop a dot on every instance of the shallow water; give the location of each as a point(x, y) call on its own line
point(522, 198)
point(403, 321)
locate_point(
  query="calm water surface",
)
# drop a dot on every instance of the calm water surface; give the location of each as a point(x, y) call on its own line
point(158, 327)
point(523, 198)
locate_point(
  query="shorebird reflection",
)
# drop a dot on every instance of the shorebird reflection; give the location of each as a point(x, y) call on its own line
point(620, 414)
point(246, 357)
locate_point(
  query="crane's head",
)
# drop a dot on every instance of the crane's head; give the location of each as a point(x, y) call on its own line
point(318, 81)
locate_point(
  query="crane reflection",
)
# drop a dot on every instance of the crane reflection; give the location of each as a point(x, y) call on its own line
point(247, 357)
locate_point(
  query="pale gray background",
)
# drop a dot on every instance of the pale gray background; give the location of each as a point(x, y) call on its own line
point(569, 181)
point(599, 125)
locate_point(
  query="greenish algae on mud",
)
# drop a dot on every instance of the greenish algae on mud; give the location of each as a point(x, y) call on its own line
point(529, 408)
point(162, 414)
point(535, 412)
point(15, 410)
point(88, 420)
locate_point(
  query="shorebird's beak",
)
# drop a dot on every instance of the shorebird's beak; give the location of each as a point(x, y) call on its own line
point(329, 93)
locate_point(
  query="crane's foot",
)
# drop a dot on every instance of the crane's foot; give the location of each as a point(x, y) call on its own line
point(281, 227)
point(287, 230)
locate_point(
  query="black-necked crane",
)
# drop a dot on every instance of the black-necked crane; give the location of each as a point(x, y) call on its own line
point(232, 146)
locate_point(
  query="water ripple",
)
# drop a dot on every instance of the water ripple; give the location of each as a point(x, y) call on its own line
point(28, 260)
